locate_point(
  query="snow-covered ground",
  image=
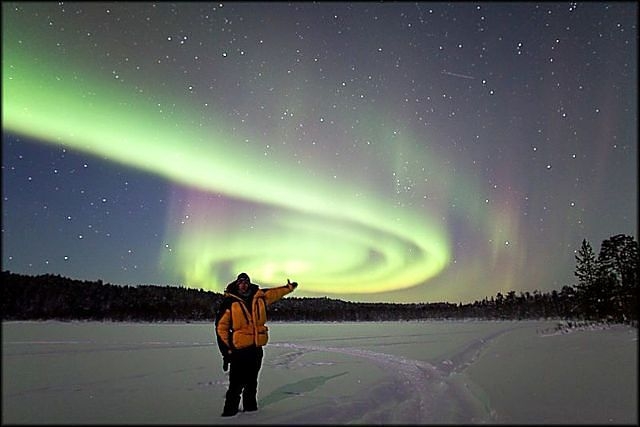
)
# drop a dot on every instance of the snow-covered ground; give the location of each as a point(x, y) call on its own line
point(336, 373)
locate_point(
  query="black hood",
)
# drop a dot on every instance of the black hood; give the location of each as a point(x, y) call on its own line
point(232, 288)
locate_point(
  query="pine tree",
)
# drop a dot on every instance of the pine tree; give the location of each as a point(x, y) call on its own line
point(619, 256)
point(587, 269)
point(618, 262)
point(586, 266)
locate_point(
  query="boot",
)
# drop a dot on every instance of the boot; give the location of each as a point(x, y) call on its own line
point(229, 412)
point(249, 401)
point(231, 406)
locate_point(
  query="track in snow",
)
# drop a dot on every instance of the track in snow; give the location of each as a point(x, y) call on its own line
point(416, 392)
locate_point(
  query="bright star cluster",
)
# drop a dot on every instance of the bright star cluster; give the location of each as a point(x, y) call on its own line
point(373, 152)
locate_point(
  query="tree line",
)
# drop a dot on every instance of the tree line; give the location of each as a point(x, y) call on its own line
point(606, 290)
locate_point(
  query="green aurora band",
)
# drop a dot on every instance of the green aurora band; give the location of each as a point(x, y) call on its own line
point(334, 238)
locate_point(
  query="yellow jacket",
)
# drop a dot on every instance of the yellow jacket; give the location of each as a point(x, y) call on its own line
point(240, 326)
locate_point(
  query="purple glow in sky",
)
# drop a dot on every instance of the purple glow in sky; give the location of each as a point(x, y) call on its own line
point(375, 152)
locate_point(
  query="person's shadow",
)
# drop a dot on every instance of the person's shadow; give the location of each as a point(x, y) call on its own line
point(296, 389)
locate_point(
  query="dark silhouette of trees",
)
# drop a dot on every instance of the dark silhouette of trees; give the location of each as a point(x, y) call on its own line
point(586, 266)
point(618, 261)
point(607, 289)
point(608, 284)
point(587, 274)
point(55, 297)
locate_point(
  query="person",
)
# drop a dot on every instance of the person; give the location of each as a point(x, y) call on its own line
point(241, 333)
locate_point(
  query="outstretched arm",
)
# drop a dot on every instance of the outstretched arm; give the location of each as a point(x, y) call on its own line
point(274, 294)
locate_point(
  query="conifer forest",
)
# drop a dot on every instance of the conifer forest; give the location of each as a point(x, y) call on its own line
point(606, 289)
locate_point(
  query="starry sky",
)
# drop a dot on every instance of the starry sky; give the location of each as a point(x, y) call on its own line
point(410, 152)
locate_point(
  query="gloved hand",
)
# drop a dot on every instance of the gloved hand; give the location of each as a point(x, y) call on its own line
point(293, 284)
point(225, 364)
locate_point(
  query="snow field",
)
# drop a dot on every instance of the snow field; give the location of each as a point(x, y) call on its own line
point(314, 373)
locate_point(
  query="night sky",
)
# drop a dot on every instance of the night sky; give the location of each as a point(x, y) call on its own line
point(406, 152)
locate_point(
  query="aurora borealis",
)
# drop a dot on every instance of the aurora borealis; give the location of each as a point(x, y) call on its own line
point(375, 152)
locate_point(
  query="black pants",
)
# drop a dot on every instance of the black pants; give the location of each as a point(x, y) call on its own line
point(243, 379)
